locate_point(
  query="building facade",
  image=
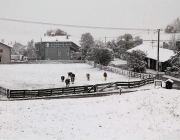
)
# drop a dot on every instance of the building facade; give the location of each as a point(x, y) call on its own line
point(151, 57)
point(56, 48)
point(5, 53)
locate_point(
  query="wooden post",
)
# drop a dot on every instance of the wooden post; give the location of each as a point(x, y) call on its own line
point(85, 89)
point(62, 90)
point(24, 93)
point(120, 90)
point(38, 93)
point(94, 88)
point(8, 93)
point(74, 90)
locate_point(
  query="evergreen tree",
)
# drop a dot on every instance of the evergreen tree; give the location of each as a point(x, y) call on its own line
point(136, 61)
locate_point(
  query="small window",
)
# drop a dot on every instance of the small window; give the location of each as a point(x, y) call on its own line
point(1, 50)
point(59, 58)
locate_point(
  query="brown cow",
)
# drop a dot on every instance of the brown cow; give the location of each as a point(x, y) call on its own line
point(67, 81)
point(62, 78)
point(88, 76)
point(72, 78)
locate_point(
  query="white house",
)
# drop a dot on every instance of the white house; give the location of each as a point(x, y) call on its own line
point(151, 58)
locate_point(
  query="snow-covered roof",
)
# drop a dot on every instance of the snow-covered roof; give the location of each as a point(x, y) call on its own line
point(169, 80)
point(59, 39)
point(164, 54)
point(7, 44)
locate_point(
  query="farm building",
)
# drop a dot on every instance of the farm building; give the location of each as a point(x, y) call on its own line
point(151, 58)
point(5, 53)
point(56, 48)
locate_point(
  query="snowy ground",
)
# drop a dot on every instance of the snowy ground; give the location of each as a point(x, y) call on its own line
point(118, 61)
point(144, 115)
point(40, 76)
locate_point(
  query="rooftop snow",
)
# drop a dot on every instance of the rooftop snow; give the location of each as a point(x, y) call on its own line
point(59, 39)
point(164, 54)
point(7, 44)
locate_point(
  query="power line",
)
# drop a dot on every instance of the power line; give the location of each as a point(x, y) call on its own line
point(76, 26)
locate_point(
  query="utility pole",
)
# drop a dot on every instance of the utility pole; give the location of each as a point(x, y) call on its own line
point(105, 41)
point(158, 53)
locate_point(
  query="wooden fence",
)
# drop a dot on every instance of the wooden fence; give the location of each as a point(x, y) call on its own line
point(121, 71)
point(3, 92)
point(76, 89)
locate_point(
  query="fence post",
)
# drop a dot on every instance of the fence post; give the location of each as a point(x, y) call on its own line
point(85, 89)
point(95, 88)
point(62, 90)
point(74, 90)
point(8, 93)
point(24, 94)
point(38, 93)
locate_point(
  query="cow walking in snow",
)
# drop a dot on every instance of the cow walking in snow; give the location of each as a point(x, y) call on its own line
point(69, 74)
point(62, 78)
point(67, 81)
point(72, 78)
point(88, 76)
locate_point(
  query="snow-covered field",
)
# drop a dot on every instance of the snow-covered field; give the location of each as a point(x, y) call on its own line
point(41, 76)
point(144, 115)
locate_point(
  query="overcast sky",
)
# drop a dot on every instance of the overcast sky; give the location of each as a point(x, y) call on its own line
point(145, 14)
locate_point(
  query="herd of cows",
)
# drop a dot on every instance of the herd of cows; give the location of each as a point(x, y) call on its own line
point(71, 77)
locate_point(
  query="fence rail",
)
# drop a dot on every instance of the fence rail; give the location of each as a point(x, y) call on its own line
point(76, 89)
point(121, 71)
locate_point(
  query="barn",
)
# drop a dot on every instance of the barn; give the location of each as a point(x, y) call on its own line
point(5, 52)
point(151, 58)
point(56, 48)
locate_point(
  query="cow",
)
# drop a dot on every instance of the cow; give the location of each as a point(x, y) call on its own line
point(88, 76)
point(72, 78)
point(62, 78)
point(67, 81)
point(69, 74)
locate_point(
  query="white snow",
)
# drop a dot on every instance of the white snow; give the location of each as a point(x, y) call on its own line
point(42, 76)
point(118, 61)
point(59, 39)
point(7, 44)
point(164, 54)
point(144, 115)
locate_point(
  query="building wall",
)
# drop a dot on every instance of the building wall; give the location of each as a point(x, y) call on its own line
point(5, 54)
point(55, 50)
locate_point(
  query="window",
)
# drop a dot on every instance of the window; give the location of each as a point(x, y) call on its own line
point(1, 50)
